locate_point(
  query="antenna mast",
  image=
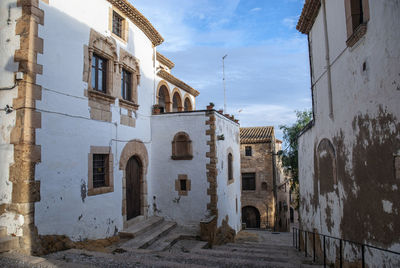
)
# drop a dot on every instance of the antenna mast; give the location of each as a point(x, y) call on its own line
point(223, 78)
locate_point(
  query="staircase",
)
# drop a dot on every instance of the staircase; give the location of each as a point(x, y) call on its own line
point(145, 232)
point(7, 242)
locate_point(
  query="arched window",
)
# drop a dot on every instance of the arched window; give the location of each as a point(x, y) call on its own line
point(163, 99)
point(182, 147)
point(264, 186)
point(176, 103)
point(188, 105)
point(230, 167)
point(326, 166)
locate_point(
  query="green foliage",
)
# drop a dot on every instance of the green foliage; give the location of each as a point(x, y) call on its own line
point(290, 134)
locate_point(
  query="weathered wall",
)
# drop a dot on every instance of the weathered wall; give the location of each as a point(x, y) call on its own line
point(348, 182)
point(228, 191)
point(189, 209)
point(8, 44)
point(260, 163)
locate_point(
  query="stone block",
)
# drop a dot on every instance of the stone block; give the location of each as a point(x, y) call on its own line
point(26, 192)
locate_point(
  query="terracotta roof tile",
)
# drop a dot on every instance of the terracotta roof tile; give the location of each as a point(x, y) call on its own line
point(256, 134)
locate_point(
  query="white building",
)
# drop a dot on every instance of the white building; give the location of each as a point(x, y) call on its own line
point(83, 150)
point(349, 157)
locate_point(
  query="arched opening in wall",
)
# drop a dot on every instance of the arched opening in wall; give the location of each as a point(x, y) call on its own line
point(326, 166)
point(264, 186)
point(291, 215)
point(177, 103)
point(251, 217)
point(188, 105)
point(163, 99)
point(133, 173)
point(182, 147)
point(230, 167)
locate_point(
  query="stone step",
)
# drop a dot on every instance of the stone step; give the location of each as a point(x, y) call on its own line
point(264, 257)
point(8, 243)
point(265, 247)
point(262, 250)
point(135, 220)
point(146, 239)
point(140, 227)
point(136, 258)
point(3, 231)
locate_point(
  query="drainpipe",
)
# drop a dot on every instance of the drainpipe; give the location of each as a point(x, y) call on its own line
point(328, 61)
point(274, 182)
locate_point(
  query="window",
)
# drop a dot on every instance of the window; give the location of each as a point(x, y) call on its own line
point(249, 181)
point(117, 24)
point(357, 16)
point(100, 175)
point(182, 147)
point(183, 184)
point(248, 151)
point(99, 170)
point(126, 85)
point(99, 73)
point(264, 186)
point(230, 167)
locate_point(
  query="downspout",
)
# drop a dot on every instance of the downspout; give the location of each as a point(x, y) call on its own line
point(274, 182)
point(328, 61)
point(311, 77)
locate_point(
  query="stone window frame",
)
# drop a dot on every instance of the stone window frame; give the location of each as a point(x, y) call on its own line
point(230, 169)
point(189, 148)
point(183, 177)
point(356, 31)
point(131, 64)
point(109, 176)
point(125, 25)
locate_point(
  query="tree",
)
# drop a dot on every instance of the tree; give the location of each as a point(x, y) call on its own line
point(290, 153)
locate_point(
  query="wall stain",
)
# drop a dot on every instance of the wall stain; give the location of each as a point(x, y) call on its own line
point(377, 140)
point(83, 190)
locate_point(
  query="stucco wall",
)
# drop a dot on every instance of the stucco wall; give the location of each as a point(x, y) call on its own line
point(9, 42)
point(363, 204)
point(190, 209)
point(228, 192)
point(68, 132)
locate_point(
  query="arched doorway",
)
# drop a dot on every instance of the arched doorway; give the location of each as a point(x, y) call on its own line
point(133, 175)
point(251, 216)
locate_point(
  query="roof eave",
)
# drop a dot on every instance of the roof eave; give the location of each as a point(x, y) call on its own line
point(308, 16)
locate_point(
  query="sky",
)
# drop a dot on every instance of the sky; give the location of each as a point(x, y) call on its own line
point(267, 67)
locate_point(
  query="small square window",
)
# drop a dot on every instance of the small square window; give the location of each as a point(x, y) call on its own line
point(117, 24)
point(183, 185)
point(248, 151)
point(100, 173)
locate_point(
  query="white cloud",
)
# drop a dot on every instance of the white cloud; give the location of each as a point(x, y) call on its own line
point(255, 9)
point(290, 22)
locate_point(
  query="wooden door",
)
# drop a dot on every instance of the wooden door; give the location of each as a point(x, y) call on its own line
point(133, 191)
point(251, 217)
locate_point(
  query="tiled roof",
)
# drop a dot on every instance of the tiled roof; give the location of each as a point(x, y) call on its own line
point(308, 15)
point(256, 134)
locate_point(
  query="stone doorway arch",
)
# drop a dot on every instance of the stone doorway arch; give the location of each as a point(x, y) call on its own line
point(251, 216)
point(134, 149)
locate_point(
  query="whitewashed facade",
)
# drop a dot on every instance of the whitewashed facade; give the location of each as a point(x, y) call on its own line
point(349, 156)
point(66, 123)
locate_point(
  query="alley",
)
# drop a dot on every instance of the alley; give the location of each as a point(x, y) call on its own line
point(253, 248)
